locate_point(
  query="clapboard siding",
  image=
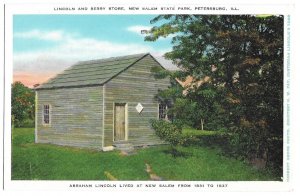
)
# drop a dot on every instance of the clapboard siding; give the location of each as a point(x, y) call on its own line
point(83, 97)
point(75, 117)
point(134, 85)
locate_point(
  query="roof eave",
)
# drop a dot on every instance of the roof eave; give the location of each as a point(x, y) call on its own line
point(74, 86)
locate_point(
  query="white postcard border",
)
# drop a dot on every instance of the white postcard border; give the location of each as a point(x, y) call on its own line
point(289, 149)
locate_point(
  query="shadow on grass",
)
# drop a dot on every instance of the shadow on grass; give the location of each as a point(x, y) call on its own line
point(176, 153)
point(217, 141)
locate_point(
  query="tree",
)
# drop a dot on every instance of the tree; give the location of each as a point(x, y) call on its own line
point(190, 105)
point(243, 57)
point(199, 109)
point(22, 104)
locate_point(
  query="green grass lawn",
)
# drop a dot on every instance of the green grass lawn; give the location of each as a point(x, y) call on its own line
point(32, 161)
point(190, 131)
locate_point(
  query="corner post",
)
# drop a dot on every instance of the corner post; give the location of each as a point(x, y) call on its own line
point(36, 117)
point(103, 115)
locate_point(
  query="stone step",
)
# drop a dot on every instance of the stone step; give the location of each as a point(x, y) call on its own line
point(126, 149)
point(124, 146)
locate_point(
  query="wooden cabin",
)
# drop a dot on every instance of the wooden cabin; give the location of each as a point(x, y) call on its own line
point(98, 103)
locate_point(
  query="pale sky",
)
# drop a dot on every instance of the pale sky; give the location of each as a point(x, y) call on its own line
point(45, 45)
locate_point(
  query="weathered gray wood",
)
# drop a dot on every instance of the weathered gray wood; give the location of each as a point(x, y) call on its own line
point(95, 72)
point(119, 129)
point(135, 85)
point(75, 117)
point(89, 116)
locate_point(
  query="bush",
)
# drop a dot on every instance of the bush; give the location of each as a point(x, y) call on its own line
point(26, 123)
point(168, 131)
point(22, 104)
point(172, 133)
point(254, 143)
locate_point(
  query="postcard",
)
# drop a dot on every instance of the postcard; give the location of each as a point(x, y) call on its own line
point(139, 96)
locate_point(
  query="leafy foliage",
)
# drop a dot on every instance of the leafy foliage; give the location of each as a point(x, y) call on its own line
point(242, 55)
point(214, 139)
point(207, 112)
point(22, 105)
point(168, 132)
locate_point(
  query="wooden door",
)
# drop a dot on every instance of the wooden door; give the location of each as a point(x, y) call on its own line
point(119, 122)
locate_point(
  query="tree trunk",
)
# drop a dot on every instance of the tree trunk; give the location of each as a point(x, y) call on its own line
point(202, 123)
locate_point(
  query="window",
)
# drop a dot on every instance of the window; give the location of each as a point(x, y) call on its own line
point(162, 111)
point(46, 114)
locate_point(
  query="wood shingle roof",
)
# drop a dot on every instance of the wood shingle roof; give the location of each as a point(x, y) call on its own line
point(94, 72)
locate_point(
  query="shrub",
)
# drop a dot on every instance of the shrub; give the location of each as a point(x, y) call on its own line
point(28, 123)
point(22, 105)
point(168, 131)
point(255, 143)
point(172, 133)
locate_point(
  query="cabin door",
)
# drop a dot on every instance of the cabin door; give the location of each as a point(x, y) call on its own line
point(120, 122)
